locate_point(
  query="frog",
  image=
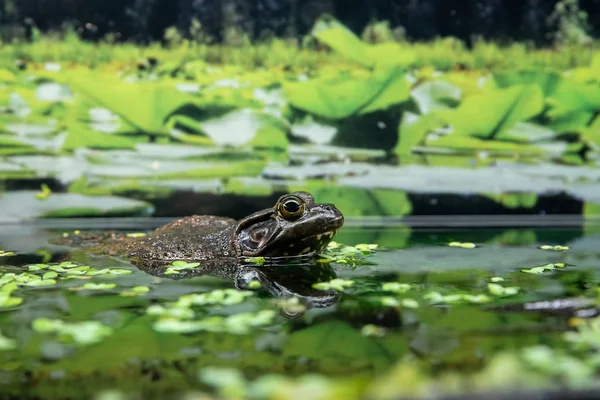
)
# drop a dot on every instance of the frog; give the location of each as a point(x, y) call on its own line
point(295, 226)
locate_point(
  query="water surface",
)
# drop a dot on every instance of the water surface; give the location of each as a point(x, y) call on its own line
point(436, 319)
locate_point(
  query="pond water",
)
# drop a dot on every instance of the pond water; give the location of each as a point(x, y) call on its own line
point(428, 312)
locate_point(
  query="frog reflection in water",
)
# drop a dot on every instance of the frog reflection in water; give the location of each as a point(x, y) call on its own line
point(296, 226)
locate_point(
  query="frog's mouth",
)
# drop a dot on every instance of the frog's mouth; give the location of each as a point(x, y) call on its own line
point(307, 245)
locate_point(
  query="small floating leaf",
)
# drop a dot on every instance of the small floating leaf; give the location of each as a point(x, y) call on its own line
point(336, 284)
point(554, 248)
point(47, 325)
point(6, 301)
point(6, 253)
point(410, 303)
point(45, 192)
point(81, 333)
point(254, 285)
point(499, 290)
point(140, 289)
point(50, 275)
point(372, 330)
point(95, 272)
point(40, 283)
point(117, 271)
point(172, 312)
point(7, 343)
point(136, 235)
point(396, 287)
point(99, 286)
point(256, 260)
point(389, 301)
point(462, 245)
point(542, 269)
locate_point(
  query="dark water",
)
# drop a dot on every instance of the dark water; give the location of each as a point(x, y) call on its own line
point(442, 331)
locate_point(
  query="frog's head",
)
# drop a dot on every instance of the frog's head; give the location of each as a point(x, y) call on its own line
point(295, 226)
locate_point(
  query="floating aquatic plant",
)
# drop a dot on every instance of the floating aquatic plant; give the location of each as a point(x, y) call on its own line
point(45, 192)
point(79, 333)
point(291, 305)
point(260, 261)
point(554, 248)
point(336, 284)
point(396, 287)
point(98, 286)
point(7, 343)
point(236, 324)
point(178, 266)
point(501, 291)
point(254, 284)
point(541, 269)
point(462, 245)
point(6, 253)
point(372, 330)
point(458, 298)
point(219, 296)
point(394, 302)
point(353, 256)
point(136, 234)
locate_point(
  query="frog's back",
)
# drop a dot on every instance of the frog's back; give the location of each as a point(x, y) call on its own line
point(197, 237)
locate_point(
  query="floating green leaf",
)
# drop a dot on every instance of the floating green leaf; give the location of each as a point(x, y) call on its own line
point(342, 98)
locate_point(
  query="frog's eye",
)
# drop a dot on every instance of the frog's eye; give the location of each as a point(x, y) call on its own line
point(291, 207)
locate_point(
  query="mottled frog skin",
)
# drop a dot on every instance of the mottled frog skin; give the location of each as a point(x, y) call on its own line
point(295, 226)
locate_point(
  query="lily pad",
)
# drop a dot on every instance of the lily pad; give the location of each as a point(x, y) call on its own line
point(341, 98)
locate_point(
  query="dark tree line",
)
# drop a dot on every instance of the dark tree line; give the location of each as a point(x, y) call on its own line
point(146, 20)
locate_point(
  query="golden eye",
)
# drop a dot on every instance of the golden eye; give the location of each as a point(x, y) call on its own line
point(291, 207)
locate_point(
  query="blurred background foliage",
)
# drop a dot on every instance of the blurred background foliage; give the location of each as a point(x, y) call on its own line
point(382, 107)
point(231, 21)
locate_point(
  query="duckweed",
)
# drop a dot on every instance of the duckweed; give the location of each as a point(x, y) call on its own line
point(291, 305)
point(136, 234)
point(99, 286)
point(462, 245)
point(136, 291)
point(393, 302)
point(438, 298)
point(45, 192)
point(255, 284)
point(7, 343)
point(219, 296)
point(554, 248)
point(501, 291)
point(79, 333)
point(178, 266)
point(140, 289)
point(396, 287)
point(170, 312)
point(543, 268)
point(235, 324)
point(260, 261)
point(336, 284)
point(353, 256)
point(372, 330)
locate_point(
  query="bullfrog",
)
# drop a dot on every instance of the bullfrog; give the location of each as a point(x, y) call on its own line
point(294, 226)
